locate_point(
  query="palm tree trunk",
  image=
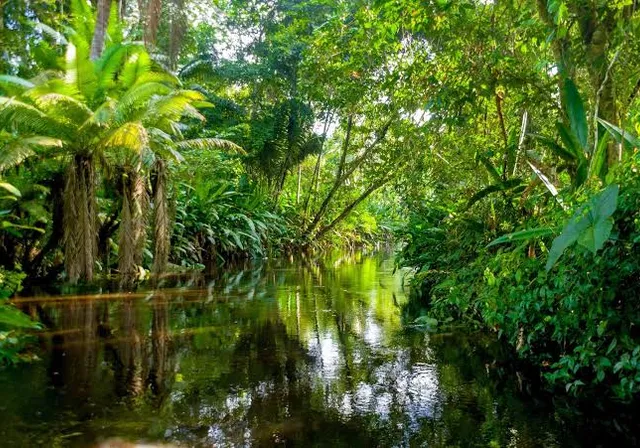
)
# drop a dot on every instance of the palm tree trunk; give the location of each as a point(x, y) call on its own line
point(161, 219)
point(100, 31)
point(80, 236)
point(132, 236)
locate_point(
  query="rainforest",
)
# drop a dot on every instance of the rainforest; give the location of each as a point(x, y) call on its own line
point(319, 222)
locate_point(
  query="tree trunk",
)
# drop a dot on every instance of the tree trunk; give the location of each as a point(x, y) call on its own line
point(298, 191)
point(122, 9)
point(106, 231)
point(561, 51)
point(343, 173)
point(596, 27)
point(161, 364)
point(153, 21)
point(80, 237)
point(316, 172)
point(100, 31)
point(603, 85)
point(132, 236)
point(161, 230)
point(178, 28)
point(313, 188)
point(348, 209)
point(336, 184)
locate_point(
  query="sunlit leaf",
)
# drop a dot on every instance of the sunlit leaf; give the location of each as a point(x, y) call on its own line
point(10, 188)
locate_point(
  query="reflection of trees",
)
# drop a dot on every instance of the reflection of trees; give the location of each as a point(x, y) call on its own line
point(162, 363)
point(74, 347)
point(89, 333)
point(127, 352)
point(306, 352)
point(141, 360)
point(270, 394)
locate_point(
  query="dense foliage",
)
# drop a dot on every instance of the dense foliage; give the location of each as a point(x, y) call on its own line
point(497, 139)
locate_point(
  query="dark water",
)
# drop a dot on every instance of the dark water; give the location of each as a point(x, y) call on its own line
point(286, 353)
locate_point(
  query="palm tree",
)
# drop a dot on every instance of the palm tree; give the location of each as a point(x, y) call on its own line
point(119, 110)
point(93, 108)
point(166, 148)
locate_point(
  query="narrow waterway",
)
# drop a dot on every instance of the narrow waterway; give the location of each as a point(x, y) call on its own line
point(304, 353)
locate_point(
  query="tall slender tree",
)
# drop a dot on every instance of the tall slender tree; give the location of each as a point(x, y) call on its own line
point(100, 30)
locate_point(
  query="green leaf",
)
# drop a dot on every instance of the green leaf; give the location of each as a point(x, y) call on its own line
point(598, 162)
point(576, 113)
point(599, 216)
point(9, 81)
point(493, 172)
point(591, 225)
point(594, 237)
point(557, 149)
point(13, 317)
point(502, 186)
point(426, 321)
point(11, 189)
point(570, 140)
point(209, 143)
point(620, 135)
point(523, 235)
point(545, 180)
point(605, 362)
point(582, 173)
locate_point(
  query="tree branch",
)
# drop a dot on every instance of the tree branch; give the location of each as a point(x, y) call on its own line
point(344, 175)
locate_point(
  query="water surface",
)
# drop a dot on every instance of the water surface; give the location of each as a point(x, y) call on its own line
point(304, 353)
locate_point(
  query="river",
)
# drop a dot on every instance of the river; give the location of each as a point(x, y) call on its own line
point(281, 353)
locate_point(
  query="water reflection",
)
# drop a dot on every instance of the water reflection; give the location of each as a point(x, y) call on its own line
point(307, 353)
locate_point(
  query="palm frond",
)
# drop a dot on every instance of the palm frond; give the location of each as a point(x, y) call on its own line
point(557, 149)
point(101, 116)
point(80, 70)
point(65, 107)
point(136, 97)
point(52, 84)
point(111, 61)
point(54, 34)
point(137, 65)
point(621, 136)
point(23, 117)
point(115, 31)
point(507, 185)
point(13, 85)
point(131, 136)
point(209, 143)
point(83, 20)
point(158, 76)
point(174, 106)
point(11, 189)
point(17, 150)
